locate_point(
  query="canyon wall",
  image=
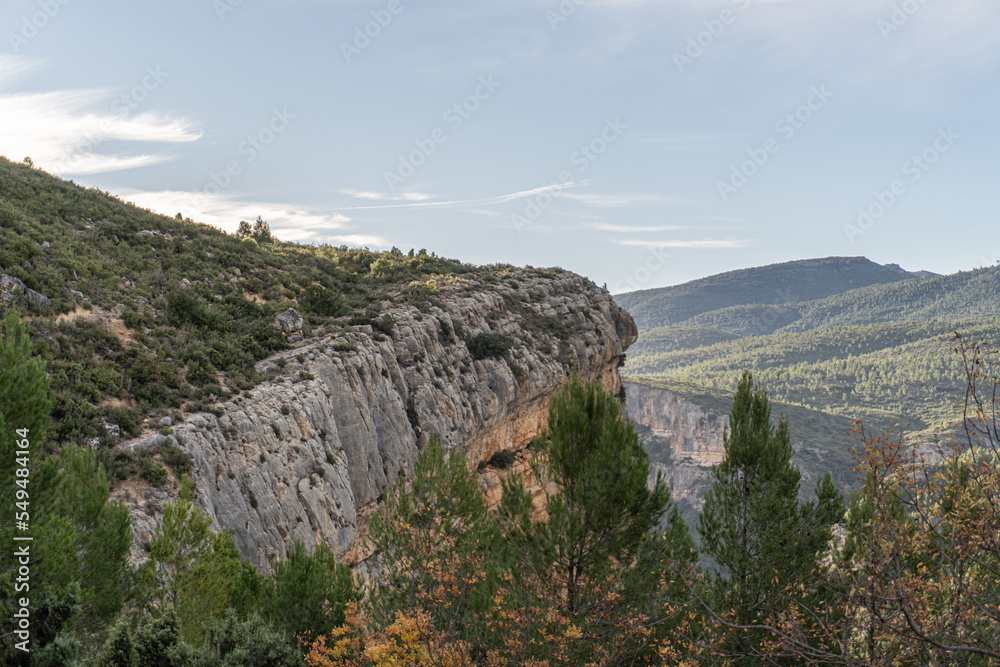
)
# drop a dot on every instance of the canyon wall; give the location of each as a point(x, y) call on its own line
point(308, 453)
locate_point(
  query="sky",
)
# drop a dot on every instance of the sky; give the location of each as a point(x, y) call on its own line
point(639, 143)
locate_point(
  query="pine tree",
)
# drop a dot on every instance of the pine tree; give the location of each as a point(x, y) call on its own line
point(190, 568)
point(752, 525)
point(604, 508)
point(308, 592)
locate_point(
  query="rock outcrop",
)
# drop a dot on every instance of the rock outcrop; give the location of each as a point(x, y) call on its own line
point(684, 439)
point(691, 432)
point(308, 454)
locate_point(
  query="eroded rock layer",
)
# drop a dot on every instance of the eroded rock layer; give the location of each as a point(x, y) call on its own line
point(307, 454)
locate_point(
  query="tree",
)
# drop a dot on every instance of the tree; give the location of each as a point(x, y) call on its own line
point(79, 575)
point(432, 527)
point(262, 232)
point(604, 507)
point(244, 231)
point(190, 568)
point(752, 525)
point(308, 592)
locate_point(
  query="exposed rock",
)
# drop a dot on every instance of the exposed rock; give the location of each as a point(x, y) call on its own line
point(45, 245)
point(289, 321)
point(684, 440)
point(9, 285)
point(165, 422)
point(185, 283)
point(149, 442)
point(38, 298)
point(309, 459)
point(127, 282)
point(112, 431)
point(692, 432)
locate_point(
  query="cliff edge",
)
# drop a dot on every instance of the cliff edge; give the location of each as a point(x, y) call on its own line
point(307, 454)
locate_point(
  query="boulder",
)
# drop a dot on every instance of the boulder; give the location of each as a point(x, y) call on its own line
point(289, 321)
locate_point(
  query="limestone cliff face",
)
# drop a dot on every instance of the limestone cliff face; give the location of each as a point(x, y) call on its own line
point(692, 433)
point(683, 439)
point(308, 454)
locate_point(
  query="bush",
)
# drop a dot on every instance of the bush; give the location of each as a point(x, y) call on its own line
point(502, 459)
point(152, 472)
point(385, 324)
point(118, 464)
point(179, 460)
point(487, 345)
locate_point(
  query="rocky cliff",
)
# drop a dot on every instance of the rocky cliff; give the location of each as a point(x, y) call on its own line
point(307, 454)
point(683, 435)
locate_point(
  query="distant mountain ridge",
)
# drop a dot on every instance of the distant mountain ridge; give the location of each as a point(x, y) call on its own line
point(776, 284)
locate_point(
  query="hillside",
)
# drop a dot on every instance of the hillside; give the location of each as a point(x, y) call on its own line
point(785, 283)
point(144, 320)
point(963, 295)
point(878, 372)
point(879, 352)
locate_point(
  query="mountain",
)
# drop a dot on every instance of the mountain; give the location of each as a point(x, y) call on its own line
point(831, 340)
point(292, 383)
point(785, 283)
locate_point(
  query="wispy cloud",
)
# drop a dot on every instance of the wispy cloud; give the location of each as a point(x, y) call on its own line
point(617, 201)
point(381, 196)
point(706, 244)
point(627, 229)
point(289, 223)
point(63, 130)
point(502, 199)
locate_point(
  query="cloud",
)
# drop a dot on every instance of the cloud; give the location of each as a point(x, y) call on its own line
point(502, 199)
point(381, 196)
point(616, 201)
point(626, 229)
point(63, 130)
point(289, 223)
point(694, 245)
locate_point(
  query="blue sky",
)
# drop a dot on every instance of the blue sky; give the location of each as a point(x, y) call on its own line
point(639, 143)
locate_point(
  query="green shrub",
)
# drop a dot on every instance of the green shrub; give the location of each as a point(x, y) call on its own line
point(489, 346)
point(176, 458)
point(502, 459)
point(385, 324)
point(152, 472)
